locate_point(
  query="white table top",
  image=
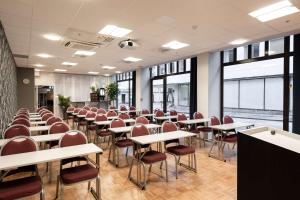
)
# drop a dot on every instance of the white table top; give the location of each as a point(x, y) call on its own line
point(38, 128)
point(194, 121)
point(49, 155)
point(147, 115)
point(109, 122)
point(114, 117)
point(281, 138)
point(166, 117)
point(128, 128)
point(69, 111)
point(39, 138)
point(81, 116)
point(226, 127)
point(35, 118)
point(161, 137)
point(90, 118)
point(38, 122)
point(33, 113)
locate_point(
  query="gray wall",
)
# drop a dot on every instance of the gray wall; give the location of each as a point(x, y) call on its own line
point(8, 82)
point(145, 89)
point(25, 91)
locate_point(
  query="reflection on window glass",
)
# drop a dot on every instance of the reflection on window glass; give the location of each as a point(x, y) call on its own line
point(130, 74)
point(188, 64)
point(242, 53)
point(258, 49)
point(228, 56)
point(181, 66)
point(158, 94)
point(154, 71)
point(168, 66)
point(291, 43)
point(123, 96)
point(161, 69)
point(291, 94)
point(174, 67)
point(276, 46)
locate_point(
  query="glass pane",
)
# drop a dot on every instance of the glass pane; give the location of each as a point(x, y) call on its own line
point(242, 53)
point(124, 76)
point(181, 66)
point(123, 96)
point(291, 94)
point(162, 69)
point(253, 92)
point(258, 49)
point(228, 56)
point(188, 65)
point(130, 74)
point(276, 46)
point(158, 94)
point(154, 71)
point(168, 66)
point(178, 93)
point(127, 75)
point(292, 43)
point(130, 96)
point(174, 67)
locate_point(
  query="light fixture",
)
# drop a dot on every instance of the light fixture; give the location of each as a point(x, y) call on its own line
point(132, 59)
point(114, 31)
point(93, 72)
point(106, 74)
point(108, 67)
point(85, 53)
point(69, 63)
point(52, 37)
point(238, 41)
point(44, 55)
point(118, 72)
point(60, 70)
point(175, 45)
point(38, 65)
point(38, 70)
point(274, 11)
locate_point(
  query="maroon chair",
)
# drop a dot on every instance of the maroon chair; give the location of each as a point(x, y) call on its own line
point(124, 116)
point(86, 108)
point(227, 119)
point(16, 130)
point(173, 113)
point(182, 117)
point(23, 113)
point(94, 109)
point(29, 185)
point(43, 110)
point(21, 116)
point(123, 108)
point(75, 120)
point(101, 111)
point(159, 113)
point(102, 131)
point(147, 155)
point(52, 120)
point(38, 109)
point(230, 134)
point(24, 122)
point(112, 107)
point(201, 130)
point(81, 122)
point(145, 111)
point(119, 141)
point(111, 113)
point(90, 125)
point(132, 112)
point(70, 110)
point(80, 172)
point(57, 127)
point(141, 120)
point(46, 112)
point(178, 149)
point(46, 116)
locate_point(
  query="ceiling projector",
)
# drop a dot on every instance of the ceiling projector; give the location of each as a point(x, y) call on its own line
point(127, 44)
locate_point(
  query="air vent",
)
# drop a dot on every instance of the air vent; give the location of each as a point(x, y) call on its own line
point(81, 45)
point(164, 50)
point(21, 56)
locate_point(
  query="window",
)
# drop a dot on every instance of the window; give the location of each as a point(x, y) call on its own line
point(258, 49)
point(291, 93)
point(174, 67)
point(242, 53)
point(188, 64)
point(168, 66)
point(276, 46)
point(162, 69)
point(154, 71)
point(181, 66)
point(124, 81)
point(291, 43)
point(228, 56)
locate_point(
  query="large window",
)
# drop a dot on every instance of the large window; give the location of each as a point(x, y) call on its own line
point(254, 86)
point(125, 85)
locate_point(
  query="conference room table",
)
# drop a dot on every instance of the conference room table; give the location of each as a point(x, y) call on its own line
point(157, 138)
point(50, 155)
point(38, 128)
point(34, 123)
point(124, 130)
point(190, 122)
point(161, 119)
point(35, 118)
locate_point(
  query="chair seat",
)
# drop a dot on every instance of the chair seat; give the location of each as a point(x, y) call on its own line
point(82, 123)
point(181, 150)
point(20, 188)
point(103, 133)
point(124, 143)
point(78, 173)
point(70, 117)
point(204, 129)
point(229, 138)
point(92, 127)
point(153, 157)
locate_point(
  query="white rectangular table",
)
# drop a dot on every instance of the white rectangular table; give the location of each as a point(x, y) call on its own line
point(194, 121)
point(169, 117)
point(38, 128)
point(33, 123)
point(147, 115)
point(227, 127)
point(35, 118)
point(128, 128)
point(109, 122)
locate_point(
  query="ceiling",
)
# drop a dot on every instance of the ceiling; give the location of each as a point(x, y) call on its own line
point(204, 24)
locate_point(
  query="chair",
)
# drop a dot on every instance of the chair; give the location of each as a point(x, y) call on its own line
point(145, 111)
point(119, 141)
point(101, 111)
point(81, 172)
point(159, 113)
point(25, 113)
point(16, 130)
point(69, 115)
point(94, 109)
point(52, 120)
point(45, 112)
point(24, 122)
point(147, 155)
point(81, 122)
point(124, 116)
point(182, 117)
point(102, 131)
point(21, 116)
point(141, 120)
point(132, 112)
point(90, 125)
point(229, 120)
point(86, 108)
point(112, 107)
point(38, 109)
point(111, 113)
point(46, 116)
point(173, 113)
point(57, 127)
point(201, 128)
point(76, 119)
point(123, 108)
point(178, 149)
point(26, 186)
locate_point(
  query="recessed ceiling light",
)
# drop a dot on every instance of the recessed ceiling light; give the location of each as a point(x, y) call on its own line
point(106, 74)
point(118, 72)
point(115, 31)
point(274, 11)
point(44, 55)
point(69, 63)
point(38, 65)
point(93, 72)
point(38, 70)
point(108, 67)
point(52, 37)
point(238, 41)
point(85, 53)
point(132, 59)
point(60, 70)
point(175, 45)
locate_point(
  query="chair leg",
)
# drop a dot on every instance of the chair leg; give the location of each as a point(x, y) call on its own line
point(130, 169)
point(176, 166)
point(57, 186)
point(89, 185)
point(42, 194)
point(167, 179)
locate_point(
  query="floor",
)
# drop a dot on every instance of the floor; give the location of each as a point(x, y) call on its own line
point(215, 180)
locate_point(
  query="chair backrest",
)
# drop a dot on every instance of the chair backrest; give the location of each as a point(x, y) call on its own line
point(181, 117)
point(123, 108)
point(69, 109)
point(86, 108)
point(111, 113)
point(24, 122)
point(156, 109)
point(227, 119)
point(46, 116)
point(21, 116)
point(59, 127)
point(82, 112)
point(132, 108)
point(38, 109)
point(94, 109)
point(117, 123)
point(169, 126)
point(214, 121)
point(112, 107)
point(52, 120)
point(101, 111)
point(173, 112)
point(159, 113)
point(45, 112)
point(139, 130)
point(72, 138)
point(16, 130)
point(91, 114)
point(23, 113)
point(100, 117)
point(76, 110)
point(198, 115)
point(145, 111)
point(20, 144)
point(124, 116)
point(141, 120)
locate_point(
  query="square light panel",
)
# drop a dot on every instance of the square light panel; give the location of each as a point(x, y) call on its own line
point(85, 53)
point(175, 45)
point(69, 63)
point(44, 55)
point(93, 73)
point(38, 65)
point(108, 67)
point(132, 59)
point(60, 70)
point(114, 31)
point(238, 41)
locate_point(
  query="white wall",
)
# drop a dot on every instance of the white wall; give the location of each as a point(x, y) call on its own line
point(143, 88)
point(202, 83)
